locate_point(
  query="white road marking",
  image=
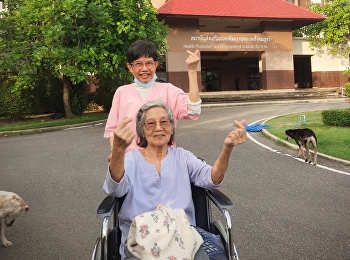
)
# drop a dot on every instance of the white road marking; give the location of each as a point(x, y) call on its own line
point(84, 126)
point(299, 159)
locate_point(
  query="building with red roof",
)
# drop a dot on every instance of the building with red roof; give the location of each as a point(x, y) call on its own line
point(248, 39)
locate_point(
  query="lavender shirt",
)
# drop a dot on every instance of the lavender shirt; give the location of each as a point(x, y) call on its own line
point(146, 189)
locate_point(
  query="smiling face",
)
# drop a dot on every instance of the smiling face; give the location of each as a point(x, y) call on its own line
point(158, 135)
point(143, 68)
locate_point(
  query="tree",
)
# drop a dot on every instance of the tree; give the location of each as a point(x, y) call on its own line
point(333, 32)
point(72, 39)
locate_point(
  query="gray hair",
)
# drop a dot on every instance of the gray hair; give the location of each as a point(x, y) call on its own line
point(140, 120)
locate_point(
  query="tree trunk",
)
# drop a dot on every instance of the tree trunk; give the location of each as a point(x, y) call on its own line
point(67, 84)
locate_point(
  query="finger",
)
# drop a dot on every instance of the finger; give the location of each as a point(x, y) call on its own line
point(193, 54)
point(125, 121)
point(131, 137)
point(126, 132)
point(240, 124)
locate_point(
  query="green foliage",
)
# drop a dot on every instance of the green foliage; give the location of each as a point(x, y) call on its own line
point(347, 89)
point(12, 104)
point(79, 98)
point(297, 33)
point(50, 93)
point(336, 117)
point(333, 32)
point(106, 87)
point(45, 38)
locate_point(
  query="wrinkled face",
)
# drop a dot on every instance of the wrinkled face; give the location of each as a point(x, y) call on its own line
point(143, 68)
point(157, 127)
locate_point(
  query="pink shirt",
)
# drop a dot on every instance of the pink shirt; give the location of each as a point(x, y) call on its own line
point(127, 101)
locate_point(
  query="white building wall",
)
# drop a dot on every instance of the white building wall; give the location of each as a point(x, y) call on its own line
point(321, 60)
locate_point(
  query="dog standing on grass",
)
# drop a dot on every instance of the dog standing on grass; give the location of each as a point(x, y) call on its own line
point(303, 137)
point(11, 206)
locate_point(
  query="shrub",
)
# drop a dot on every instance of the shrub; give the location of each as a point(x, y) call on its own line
point(15, 104)
point(79, 98)
point(347, 89)
point(50, 94)
point(106, 87)
point(336, 117)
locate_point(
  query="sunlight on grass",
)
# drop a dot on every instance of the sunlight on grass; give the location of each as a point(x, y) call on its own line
point(331, 140)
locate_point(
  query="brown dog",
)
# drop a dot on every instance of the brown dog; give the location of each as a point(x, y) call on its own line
point(11, 206)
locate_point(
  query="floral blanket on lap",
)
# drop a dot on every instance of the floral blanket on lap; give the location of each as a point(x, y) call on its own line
point(163, 234)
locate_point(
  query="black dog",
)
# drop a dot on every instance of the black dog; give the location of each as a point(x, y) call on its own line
point(57, 115)
point(303, 137)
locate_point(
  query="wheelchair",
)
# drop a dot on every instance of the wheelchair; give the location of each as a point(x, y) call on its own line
point(107, 245)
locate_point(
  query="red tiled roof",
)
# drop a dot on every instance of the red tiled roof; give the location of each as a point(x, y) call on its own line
point(270, 9)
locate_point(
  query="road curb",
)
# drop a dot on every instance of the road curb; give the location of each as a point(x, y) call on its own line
point(49, 129)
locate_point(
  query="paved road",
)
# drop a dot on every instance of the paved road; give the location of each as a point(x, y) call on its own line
point(284, 208)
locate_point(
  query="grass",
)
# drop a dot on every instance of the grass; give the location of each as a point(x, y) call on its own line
point(36, 122)
point(331, 140)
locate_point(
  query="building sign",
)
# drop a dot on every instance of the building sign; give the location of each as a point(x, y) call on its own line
point(228, 42)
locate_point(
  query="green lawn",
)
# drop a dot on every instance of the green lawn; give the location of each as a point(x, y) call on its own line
point(331, 140)
point(36, 122)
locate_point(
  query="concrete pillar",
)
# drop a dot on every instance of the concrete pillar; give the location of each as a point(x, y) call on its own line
point(277, 70)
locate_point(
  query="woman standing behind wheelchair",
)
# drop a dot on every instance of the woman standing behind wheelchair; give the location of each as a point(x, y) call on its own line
point(158, 173)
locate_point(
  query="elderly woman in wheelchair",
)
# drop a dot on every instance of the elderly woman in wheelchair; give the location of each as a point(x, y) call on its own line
point(160, 174)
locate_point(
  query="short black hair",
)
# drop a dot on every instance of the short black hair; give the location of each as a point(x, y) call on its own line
point(142, 48)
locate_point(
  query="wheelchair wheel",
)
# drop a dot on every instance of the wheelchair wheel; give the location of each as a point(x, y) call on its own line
point(96, 254)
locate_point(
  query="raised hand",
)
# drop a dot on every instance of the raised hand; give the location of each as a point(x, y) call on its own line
point(123, 134)
point(236, 136)
point(192, 60)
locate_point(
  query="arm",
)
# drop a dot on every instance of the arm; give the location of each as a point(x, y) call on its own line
point(110, 139)
point(235, 137)
point(123, 136)
point(192, 63)
point(112, 120)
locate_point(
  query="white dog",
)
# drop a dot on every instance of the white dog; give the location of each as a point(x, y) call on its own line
point(11, 206)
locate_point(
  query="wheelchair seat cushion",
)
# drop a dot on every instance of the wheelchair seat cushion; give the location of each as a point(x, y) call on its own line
point(212, 245)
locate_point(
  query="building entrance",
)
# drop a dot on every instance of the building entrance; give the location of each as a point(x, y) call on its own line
point(220, 70)
point(302, 71)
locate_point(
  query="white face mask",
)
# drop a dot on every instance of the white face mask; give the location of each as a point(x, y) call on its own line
point(143, 84)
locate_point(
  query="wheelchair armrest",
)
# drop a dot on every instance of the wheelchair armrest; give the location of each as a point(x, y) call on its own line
point(220, 200)
point(107, 207)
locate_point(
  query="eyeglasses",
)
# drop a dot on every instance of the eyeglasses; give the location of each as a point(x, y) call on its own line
point(148, 64)
point(151, 125)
